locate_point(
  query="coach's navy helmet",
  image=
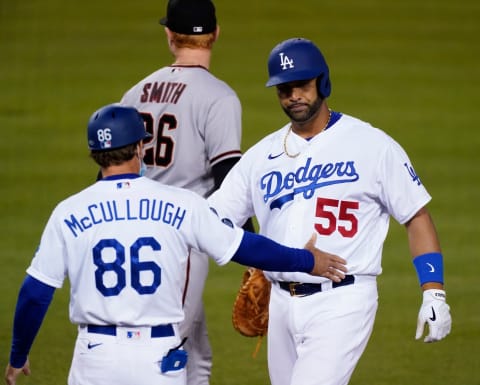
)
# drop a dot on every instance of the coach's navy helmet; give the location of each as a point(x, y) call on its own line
point(298, 59)
point(114, 126)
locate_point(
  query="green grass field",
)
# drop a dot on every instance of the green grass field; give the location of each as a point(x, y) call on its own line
point(408, 67)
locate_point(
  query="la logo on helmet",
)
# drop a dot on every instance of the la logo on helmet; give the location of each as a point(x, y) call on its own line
point(285, 61)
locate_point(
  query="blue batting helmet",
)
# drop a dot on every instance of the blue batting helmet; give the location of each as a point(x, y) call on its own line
point(114, 126)
point(298, 59)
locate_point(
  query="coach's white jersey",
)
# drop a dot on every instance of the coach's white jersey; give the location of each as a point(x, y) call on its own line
point(126, 241)
point(344, 184)
point(188, 106)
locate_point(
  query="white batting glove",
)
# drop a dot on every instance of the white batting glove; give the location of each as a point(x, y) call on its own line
point(436, 312)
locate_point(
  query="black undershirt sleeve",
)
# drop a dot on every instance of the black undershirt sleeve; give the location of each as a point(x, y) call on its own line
point(220, 171)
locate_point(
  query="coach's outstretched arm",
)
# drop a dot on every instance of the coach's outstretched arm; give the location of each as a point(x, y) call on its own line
point(428, 261)
point(260, 252)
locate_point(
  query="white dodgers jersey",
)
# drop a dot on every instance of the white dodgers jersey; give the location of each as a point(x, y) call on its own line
point(123, 243)
point(195, 120)
point(344, 185)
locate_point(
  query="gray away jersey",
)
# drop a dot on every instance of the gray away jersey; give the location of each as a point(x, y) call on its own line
point(195, 120)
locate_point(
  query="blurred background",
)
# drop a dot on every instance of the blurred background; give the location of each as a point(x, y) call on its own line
point(410, 68)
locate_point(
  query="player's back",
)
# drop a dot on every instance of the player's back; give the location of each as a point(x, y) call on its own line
point(126, 241)
point(195, 120)
point(133, 232)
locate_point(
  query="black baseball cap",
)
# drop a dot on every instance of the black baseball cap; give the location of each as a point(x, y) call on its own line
point(190, 17)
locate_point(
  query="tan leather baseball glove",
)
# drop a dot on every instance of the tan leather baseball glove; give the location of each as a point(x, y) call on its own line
point(250, 309)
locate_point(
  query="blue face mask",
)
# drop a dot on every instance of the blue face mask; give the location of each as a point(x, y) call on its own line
point(143, 168)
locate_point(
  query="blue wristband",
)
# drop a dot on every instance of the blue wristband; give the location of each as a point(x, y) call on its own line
point(429, 267)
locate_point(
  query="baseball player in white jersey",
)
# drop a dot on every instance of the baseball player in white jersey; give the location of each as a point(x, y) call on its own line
point(123, 243)
point(195, 122)
point(335, 174)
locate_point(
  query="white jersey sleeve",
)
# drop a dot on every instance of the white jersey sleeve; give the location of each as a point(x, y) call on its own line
point(400, 185)
point(127, 241)
point(195, 120)
point(344, 185)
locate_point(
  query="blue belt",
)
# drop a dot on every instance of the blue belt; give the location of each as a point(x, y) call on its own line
point(298, 289)
point(111, 330)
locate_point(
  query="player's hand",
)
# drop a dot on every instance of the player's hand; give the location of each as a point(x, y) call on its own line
point(326, 265)
point(436, 313)
point(12, 373)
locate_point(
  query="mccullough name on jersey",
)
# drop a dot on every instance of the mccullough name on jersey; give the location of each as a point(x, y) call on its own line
point(145, 209)
point(305, 180)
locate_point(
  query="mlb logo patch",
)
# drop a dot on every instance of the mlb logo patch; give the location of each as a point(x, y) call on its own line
point(121, 185)
point(133, 334)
